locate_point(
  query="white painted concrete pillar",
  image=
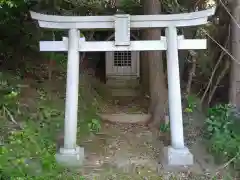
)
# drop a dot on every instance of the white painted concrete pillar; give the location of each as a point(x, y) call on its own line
point(174, 91)
point(71, 108)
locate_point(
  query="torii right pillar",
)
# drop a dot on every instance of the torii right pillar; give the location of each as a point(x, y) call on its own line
point(176, 154)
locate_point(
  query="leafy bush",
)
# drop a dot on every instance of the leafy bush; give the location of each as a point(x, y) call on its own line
point(223, 133)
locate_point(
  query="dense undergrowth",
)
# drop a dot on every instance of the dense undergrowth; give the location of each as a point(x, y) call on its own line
point(28, 131)
point(223, 135)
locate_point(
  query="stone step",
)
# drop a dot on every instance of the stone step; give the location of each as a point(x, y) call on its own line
point(136, 118)
point(123, 92)
point(123, 82)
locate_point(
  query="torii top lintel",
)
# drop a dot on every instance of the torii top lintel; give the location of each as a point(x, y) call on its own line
point(136, 21)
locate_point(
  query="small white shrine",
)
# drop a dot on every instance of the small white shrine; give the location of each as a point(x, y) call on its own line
point(175, 155)
point(123, 70)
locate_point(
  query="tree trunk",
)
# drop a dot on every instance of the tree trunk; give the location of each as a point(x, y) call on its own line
point(234, 92)
point(144, 69)
point(158, 90)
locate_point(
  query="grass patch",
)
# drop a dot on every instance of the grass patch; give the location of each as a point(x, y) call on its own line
point(28, 134)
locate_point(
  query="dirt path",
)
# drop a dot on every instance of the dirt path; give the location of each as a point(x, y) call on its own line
point(131, 150)
point(134, 152)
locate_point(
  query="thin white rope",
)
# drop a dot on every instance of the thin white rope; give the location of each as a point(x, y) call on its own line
point(227, 10)
point(223, 48)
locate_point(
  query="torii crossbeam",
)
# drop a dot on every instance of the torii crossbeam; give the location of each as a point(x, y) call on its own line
point(71, 154)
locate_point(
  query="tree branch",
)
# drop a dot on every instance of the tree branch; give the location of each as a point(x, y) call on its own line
point(215, 69)
point(191, 73)
point(220, 77)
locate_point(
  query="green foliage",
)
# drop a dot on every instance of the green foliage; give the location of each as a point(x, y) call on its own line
point(58, 58)
point(12, 3)
point(131, 6)
point(173, 6)
point(222, 131)
point(165, 127)
point(14, 25)
point(94, 126)
point(8, 3)
point(28, 148)
point(191, 104)
point(27, 143)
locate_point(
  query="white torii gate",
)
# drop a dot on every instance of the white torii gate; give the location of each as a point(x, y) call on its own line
point(177, 153)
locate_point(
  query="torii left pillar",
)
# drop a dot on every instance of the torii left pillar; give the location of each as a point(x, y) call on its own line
point(70, 154)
